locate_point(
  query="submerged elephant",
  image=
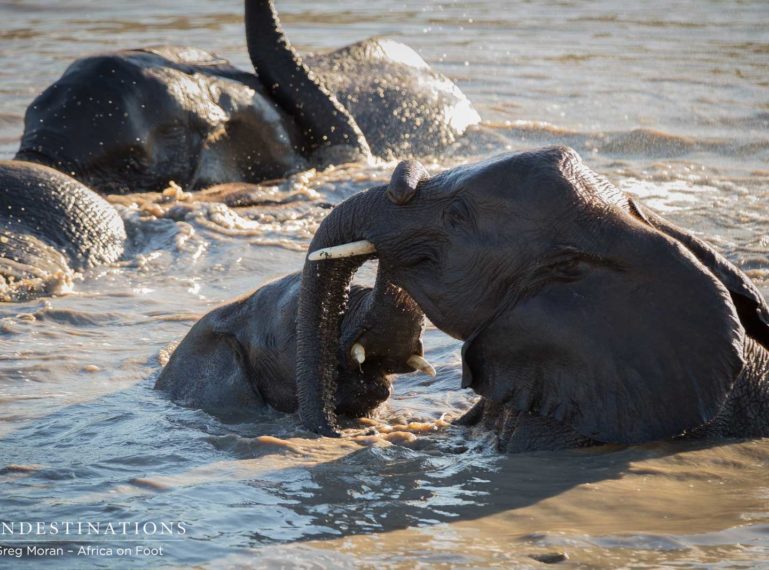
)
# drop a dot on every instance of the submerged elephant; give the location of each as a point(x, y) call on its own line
point(133, 120)
point(242, 355)
point(586, 318)
point(50, 226)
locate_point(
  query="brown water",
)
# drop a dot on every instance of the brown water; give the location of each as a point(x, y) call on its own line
point(670, 100)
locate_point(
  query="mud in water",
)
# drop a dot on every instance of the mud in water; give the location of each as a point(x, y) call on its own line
point(668, 100)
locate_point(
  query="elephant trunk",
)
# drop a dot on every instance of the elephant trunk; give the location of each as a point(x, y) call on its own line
point(339, 247)
point(328, 129)
point(322, 305)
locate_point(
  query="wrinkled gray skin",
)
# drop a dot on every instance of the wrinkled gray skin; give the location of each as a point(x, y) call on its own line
point(586, 318)
point(133, 120)
point(402, 106)
point(51, 223)
point(242, 355)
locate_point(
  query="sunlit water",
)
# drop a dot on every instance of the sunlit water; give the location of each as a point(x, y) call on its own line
point(670, 100)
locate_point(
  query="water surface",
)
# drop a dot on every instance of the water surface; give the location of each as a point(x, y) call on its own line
point(670, 100)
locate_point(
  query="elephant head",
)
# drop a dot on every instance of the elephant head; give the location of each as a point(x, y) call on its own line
point(242, 354)
point(132, 120)
point(575, 303)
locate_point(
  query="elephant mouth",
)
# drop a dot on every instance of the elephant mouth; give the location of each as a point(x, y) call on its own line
point(39, 157)
point(324, 300)
point(382, 331)
point(359, 357)
point(36, 146)
point(366, 366)
point(356, 352)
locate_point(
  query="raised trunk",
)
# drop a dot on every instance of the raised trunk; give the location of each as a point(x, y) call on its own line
point(322, 304)
point(329, 130)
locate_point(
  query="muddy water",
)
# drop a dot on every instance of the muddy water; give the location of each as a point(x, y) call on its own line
point(670, 100)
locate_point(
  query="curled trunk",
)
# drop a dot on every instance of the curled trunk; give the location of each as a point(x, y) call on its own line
point(329, 130)
point(322, 304)
point(325, 282)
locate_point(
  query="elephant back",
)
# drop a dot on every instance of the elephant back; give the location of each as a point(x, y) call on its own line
point(41, 205)
point(403, 107)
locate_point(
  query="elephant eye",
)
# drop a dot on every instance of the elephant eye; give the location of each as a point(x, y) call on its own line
point(571, 269)
point(457, 214)
point(572, 264)
point(568, 264)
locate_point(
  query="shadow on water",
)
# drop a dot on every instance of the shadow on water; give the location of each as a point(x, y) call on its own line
point(134, 456)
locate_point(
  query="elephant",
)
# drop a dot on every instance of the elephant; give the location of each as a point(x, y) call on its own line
point(586, 318)
point(50, 226)
point(134, 120)
point(240, 357)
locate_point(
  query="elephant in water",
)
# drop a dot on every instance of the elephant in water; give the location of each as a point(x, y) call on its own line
point(50, 226)
point(242, 355)
point(133, 120)
point(586, 317)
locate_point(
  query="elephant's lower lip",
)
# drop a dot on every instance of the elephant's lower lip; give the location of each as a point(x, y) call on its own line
point(32, 155)
point(60, 163)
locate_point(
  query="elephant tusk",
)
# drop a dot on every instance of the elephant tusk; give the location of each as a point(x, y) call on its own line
point(419, 363)
point(363, 247)
point(358, 353)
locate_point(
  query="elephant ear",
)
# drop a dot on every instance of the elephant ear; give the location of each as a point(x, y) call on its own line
point(623, 352)
point(751, 306)
point(209, 369)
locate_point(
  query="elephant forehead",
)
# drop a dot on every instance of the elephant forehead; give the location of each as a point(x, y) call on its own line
point(506, 175)
point(112, 89)
point(146, 82)
point(549, 179)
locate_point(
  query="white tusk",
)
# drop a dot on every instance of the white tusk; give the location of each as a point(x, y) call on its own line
point(419, 363)
point(363, 247)
point(358, 353)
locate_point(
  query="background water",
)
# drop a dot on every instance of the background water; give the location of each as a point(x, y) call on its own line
point(670, 100)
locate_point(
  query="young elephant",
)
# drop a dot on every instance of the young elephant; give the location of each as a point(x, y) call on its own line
point(243, 355)
point(586, 317)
